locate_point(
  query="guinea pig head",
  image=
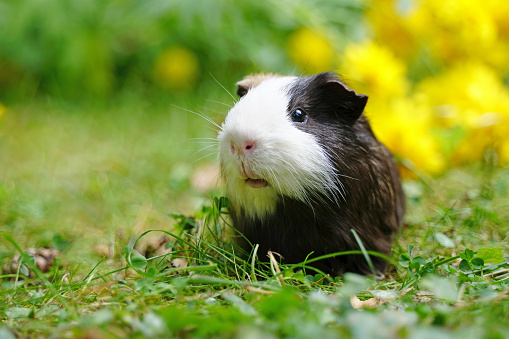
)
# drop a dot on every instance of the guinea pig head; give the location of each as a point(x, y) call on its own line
point(275, 141)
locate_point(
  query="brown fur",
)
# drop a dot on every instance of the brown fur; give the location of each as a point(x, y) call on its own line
point(251, 81)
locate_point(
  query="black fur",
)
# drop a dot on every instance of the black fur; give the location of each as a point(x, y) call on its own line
point(373, 202)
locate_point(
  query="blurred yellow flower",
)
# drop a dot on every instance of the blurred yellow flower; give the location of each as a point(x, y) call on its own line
point(475, 96)
point(503, 151)
point(176, 68)
point(373, 69)
point(310, 50)
point(404, 126)
point(390, 27)
point(462, 110)
point(499, 11)
point(472, 97)
point(2, 109)
point(452, 30)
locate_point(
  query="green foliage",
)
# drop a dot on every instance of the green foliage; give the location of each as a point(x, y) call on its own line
point(63, 191)
point(216, 301)
point(492, 255)
point(94, 48)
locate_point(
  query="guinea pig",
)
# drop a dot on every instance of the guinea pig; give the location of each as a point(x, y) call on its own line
point(302, 167)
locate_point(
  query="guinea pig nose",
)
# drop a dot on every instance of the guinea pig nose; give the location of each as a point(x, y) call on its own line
point(249, 146)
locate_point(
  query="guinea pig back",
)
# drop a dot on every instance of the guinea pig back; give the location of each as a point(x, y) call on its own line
point(302, 167)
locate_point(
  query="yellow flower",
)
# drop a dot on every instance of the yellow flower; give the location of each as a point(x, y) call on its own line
point(2, 109)
point(310, 50)
point(390, 27)
point(455, 115)
point(404, 126)
point(474, 94)
point(454, 30)
point(503, 152)
point(373, 69)
point(470, 96)
point(499, 11)
point(176, 68)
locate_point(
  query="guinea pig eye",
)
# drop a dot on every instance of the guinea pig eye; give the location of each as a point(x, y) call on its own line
point(299, 116)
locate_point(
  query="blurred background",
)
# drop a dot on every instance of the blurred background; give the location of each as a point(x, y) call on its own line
point(95, 95)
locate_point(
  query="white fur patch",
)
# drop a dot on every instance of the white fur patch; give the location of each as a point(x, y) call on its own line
point(289, 159)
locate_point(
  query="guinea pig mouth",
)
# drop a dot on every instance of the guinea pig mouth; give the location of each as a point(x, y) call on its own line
point(252, 179)
point(256, 183)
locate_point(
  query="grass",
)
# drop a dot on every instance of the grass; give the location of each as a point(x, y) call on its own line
point(110, 188)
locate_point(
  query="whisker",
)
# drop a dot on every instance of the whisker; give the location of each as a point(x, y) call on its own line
point(333, 189)
point(313, 189)
point(337, 156)
point(221, 103)
point(207, 143)
point(307, 199)
point(200, 115)
point(206, 155)
point(234, 99)
point(273, 175)
point(213, 129)
point(203, 141)
point(300, 190)
point(215, 111)
point(286, 162)
point(209, 119)
point(202, 138)
point(208, 109)
point(203, 149)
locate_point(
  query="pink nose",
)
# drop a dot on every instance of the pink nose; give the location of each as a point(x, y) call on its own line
point(245, 148)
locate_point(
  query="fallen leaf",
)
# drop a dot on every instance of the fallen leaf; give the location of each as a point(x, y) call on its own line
point(370, 303)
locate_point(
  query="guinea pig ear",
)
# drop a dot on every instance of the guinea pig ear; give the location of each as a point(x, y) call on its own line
point(251, 81)
point(242, 87)
point(351, 104)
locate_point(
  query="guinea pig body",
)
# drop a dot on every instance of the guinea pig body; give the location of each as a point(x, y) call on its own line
point(302, 168)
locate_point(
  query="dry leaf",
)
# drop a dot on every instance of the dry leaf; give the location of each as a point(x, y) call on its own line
point(370, 303)
point(43, 259)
